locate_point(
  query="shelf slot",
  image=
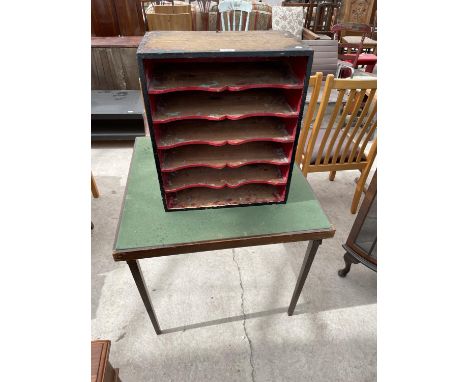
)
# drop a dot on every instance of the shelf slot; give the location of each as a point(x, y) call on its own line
point(225, 105)
point(218, 133)
point(227, 177)
point(222, 76)
point(224, 156)
point(207, 197)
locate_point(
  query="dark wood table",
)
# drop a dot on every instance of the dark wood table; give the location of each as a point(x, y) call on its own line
point(145, 230)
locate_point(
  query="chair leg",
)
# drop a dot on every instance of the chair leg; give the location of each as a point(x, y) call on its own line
point(94, 188)
point(348, 259)
point(357, 193)
point(360, 187)
point(370, 68)
point(331, 176)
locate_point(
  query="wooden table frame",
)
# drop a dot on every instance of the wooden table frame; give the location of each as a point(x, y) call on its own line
point(132, 257)
point(134, 254)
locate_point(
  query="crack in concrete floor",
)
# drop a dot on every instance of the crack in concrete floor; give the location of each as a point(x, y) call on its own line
point(252, 374)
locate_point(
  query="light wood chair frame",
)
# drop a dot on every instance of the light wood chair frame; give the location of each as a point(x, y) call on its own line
point(229, 8)
point(94, 187)
point(354, 117)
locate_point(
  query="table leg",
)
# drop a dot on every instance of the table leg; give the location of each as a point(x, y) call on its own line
point(141, 285)
point(308, 259)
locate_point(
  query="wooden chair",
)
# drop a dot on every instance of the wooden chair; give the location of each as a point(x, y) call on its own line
point(227, 9)
point(167, 15)
point(351, 42)
point(340, 145)
point(320, 17)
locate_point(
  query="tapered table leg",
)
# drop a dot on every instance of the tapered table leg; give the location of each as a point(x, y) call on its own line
point(141, 285)
point(308, 259)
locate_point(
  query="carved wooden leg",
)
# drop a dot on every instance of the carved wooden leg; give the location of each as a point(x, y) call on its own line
point(331, 176)
point(348, 259)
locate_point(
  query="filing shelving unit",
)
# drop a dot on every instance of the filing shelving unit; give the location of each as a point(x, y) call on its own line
point(224, 111)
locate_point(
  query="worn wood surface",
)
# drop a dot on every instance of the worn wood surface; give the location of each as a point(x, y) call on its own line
point(220, 157)
point(227, 177)
point(116, 42)
point(218, 133)
point(210, 41)
point(208, 197)
point(216, 106)
point(223, 76)
point(114, 69)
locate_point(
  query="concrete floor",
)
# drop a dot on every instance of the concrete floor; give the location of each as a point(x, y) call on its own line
point(224, 312)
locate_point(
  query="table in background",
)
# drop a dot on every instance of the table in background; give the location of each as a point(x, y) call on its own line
point(145, 230)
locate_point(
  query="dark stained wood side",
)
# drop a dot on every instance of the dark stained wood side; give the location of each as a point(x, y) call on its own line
point(213, 245)
point(369, 197)
point(104, 18)
point(130, 17)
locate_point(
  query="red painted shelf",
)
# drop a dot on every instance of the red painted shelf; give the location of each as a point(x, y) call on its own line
point(224, 156)
point(226, 177)
point(225, 105)
point(208, 197)
point(219, 133)
point(223, 115)
point(218, 76)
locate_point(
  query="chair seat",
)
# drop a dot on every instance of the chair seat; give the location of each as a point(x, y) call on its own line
point(323, 36)
point(319, 142)
point(364, 58)
point(368, 42)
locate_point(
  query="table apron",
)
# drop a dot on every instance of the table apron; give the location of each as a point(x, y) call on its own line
point(179, 249)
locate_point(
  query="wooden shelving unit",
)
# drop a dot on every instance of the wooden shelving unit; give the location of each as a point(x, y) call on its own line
point(225, 114)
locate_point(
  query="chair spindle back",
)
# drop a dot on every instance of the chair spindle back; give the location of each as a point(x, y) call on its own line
point(227, 10)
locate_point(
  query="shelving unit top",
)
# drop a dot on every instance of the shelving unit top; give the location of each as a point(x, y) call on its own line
point(198, 44)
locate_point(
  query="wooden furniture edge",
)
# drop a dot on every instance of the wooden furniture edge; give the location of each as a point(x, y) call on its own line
point(212, 245)
point(116, 42)
point(359, 258)
point(103, 359)
point(122, 204)
point(366, 204)
point(309, 35)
